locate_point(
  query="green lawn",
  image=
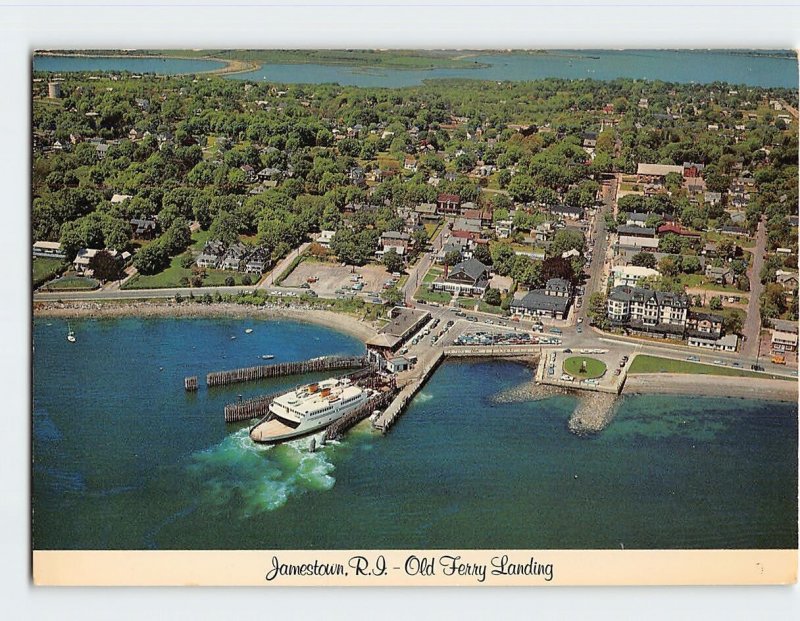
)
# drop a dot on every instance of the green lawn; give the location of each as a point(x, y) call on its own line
point(70, 283)
point(483, 307)
point(701, 282)
point(594, 367)
point(654, 364)
point(433, 228)
point(432, 275)
point(171, 277)
point(441, 297)
point(45, 268)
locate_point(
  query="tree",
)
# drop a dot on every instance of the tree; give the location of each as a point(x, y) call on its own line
point(225, 228)
point(151, 259)
point(670, 243)
point(492, 297)
point(564, 240)
point(522, 188)
point(105, 267)
point(715, 303)
point(556, 267)
point(502, 258)
point(246, 280)
point(230, 281)
point(596, 310)
point(668, 266)
point(690, 264)
point(732, 324)
point(392, 261)
point(482, 254)
point(452, 257)
point(393, 296)
point(644, 259)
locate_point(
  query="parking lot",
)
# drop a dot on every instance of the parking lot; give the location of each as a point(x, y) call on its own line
point(330, 278)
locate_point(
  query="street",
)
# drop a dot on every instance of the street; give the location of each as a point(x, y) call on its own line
point(752, 324)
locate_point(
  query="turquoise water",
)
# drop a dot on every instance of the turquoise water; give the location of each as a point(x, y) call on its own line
point(161, 66)
point(671, 66)
point(123, 458)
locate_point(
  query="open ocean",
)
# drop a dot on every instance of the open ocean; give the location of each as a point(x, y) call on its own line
point(123, 458)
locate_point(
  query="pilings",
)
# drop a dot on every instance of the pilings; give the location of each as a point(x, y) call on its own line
point(338, 427)
point(326, 363)
point(256, 407)
point(190, 383)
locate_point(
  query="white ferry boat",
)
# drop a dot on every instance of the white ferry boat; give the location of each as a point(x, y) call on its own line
point(308, 409)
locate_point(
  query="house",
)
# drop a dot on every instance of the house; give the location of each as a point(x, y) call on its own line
point(84, 256)
point(357, 176)
point(645, 310)
point(544, 232)
point(448, 204)
point(704, 324)
point(48, 249)
point(553, 301)
point(656, 173)
point(692, 170)
point(788, 280)
point(144, 228)
point(233, 258)
point(325, 238)
point(783, 341)
point(426, 211)
point(250, 175)
point(211, 255)
point(589, 140)
point(468, 277)
point(569, 254)
point(637, 237)
point(398, 364)
point(637, 219)
point(101, 150)
point(720, 275)
point(258, 261)
point(120, 198)
point(395, 240)
point(676, 229)
point(723, 343)
point(733, 230)
point(783, 325)
point(468, 225)
point(503, 228)
point(695, 185)
point(456, 244)
point(632, 275)
point(410, 163)
point(269, 174)
point(567, 212)
point(712, 198)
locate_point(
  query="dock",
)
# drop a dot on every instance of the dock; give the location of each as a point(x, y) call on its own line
point(190, 383)
point(266, 371)
point(257, 407)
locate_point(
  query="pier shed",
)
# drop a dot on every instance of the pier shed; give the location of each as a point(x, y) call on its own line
point(404, 322)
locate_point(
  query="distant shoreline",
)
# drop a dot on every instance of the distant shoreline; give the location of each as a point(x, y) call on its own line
point(229, 67)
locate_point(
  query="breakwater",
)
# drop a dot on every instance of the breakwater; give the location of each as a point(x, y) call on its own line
point(248, 374)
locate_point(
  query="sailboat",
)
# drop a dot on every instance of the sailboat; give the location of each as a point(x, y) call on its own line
point(248, 331)
point(71, 334)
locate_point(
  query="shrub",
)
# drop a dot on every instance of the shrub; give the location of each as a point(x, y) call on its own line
point(230, 281)
point(246, 280)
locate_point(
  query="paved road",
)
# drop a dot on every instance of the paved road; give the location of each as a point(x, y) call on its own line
point(752, 324)
point(417, 273)
point(281, 266)
point(599, 246)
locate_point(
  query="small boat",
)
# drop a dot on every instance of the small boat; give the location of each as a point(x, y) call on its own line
point(71, 335)
point(267, 356)
point(233, 338)
point(248, 331)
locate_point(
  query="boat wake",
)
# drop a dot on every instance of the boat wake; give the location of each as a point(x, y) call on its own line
point(240, 476)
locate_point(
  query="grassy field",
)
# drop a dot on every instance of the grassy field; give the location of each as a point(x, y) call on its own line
point(432, 275)
point(699, 281)
point(441, 297)
point(483, 307)
point(654, 364)
point(594, 368)
point(433, 228)
point(72, 283)
point(45, 268)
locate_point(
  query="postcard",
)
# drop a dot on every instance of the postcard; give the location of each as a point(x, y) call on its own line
point(414, 317)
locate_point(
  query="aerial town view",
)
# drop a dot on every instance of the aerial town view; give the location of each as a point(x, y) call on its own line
point(408, 299)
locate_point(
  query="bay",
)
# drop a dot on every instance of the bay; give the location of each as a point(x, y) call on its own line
point(766, 69)
point(125, 459)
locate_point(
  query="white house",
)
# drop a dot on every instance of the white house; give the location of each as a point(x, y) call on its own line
point(632, 275)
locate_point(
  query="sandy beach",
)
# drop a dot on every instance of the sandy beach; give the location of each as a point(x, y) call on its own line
point(337, 321)
point(711, 386)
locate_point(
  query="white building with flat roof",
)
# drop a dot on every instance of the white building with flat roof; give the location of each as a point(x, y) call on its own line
point(632, 275)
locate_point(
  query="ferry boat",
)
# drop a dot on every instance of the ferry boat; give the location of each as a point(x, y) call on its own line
point(309, 408)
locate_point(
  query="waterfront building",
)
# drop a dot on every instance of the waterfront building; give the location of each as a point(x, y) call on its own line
point(553, 301)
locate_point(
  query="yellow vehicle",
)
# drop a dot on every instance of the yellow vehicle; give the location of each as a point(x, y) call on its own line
point(778, 359)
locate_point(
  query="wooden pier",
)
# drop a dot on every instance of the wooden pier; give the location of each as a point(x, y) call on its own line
point(248, 374)
point(190, 383)
point(256, 407)
point(338, 428)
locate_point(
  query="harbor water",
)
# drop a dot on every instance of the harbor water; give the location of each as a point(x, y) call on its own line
point(124, 458)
